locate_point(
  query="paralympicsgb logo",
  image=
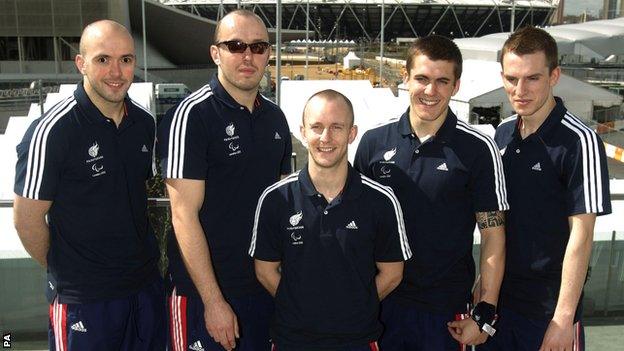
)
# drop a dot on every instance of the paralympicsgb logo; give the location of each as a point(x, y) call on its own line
point(230, 129)
point(388, 155)
point(94, 149)
point(296, 218)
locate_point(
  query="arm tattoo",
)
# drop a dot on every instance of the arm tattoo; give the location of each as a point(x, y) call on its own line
point(490, 219)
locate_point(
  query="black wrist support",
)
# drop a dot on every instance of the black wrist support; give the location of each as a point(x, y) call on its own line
point(484, 314)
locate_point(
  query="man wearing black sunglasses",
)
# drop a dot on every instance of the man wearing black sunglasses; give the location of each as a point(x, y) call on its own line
point(220, 148)
point(239, 47)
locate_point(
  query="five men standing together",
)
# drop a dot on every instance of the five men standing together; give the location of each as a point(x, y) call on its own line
point(328, 242)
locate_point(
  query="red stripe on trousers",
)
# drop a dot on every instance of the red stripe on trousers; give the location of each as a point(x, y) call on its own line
point(177, 311)
point(58, 312)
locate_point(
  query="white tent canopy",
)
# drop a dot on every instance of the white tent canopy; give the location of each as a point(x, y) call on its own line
point(351, 60)
point(596, 39)
point(579, 97)
point(601, 44)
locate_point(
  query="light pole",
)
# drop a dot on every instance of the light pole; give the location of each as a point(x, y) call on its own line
point(381, 43)
point(38, 84)
point(513, 15)
point(307, 36)
point(144, 42)
point(278, 51)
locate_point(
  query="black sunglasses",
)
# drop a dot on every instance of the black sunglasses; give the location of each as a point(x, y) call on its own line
point(238, 47)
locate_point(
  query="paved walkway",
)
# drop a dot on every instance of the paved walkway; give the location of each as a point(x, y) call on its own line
point(604, 334)
point(604, 338)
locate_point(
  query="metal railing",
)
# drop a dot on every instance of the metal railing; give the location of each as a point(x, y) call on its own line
point(24, 308)
point(26, 92)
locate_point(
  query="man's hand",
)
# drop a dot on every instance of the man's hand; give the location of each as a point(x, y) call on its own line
point(187, 198)
point(559, 337)
point(467, 332)
point(221, 323)
point(29, 217)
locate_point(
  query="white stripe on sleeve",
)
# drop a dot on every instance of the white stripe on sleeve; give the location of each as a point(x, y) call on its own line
point(387, 191)
point(177, 132)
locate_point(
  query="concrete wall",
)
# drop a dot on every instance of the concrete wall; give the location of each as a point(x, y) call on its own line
point(23, 308)
point(37, 67)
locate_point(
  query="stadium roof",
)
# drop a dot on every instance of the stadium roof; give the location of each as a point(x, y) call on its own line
point(507, 3)
point(182, 37)
point(361, 19)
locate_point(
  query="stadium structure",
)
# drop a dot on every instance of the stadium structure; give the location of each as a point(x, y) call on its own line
point(361, 20)
point(38, 38)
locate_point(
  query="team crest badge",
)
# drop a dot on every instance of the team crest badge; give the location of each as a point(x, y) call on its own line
point(389, 154)
point(296, 218)
point(230, 129)
point(94, 149)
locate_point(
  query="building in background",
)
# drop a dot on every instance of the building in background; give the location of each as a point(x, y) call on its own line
point(39, 38)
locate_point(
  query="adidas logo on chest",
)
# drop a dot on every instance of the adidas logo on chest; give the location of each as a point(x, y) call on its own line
point(442, 167)
point(352, 225)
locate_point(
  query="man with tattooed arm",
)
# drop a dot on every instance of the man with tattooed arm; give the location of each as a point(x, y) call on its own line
point(447, 176)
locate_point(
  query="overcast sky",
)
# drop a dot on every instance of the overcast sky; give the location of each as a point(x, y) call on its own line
point(576, 7)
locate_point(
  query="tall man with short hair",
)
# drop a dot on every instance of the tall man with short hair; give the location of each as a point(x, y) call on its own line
point(329, 243)
point(220, 147)
point(84, 165)
point(557, 178)
point(448, 176)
